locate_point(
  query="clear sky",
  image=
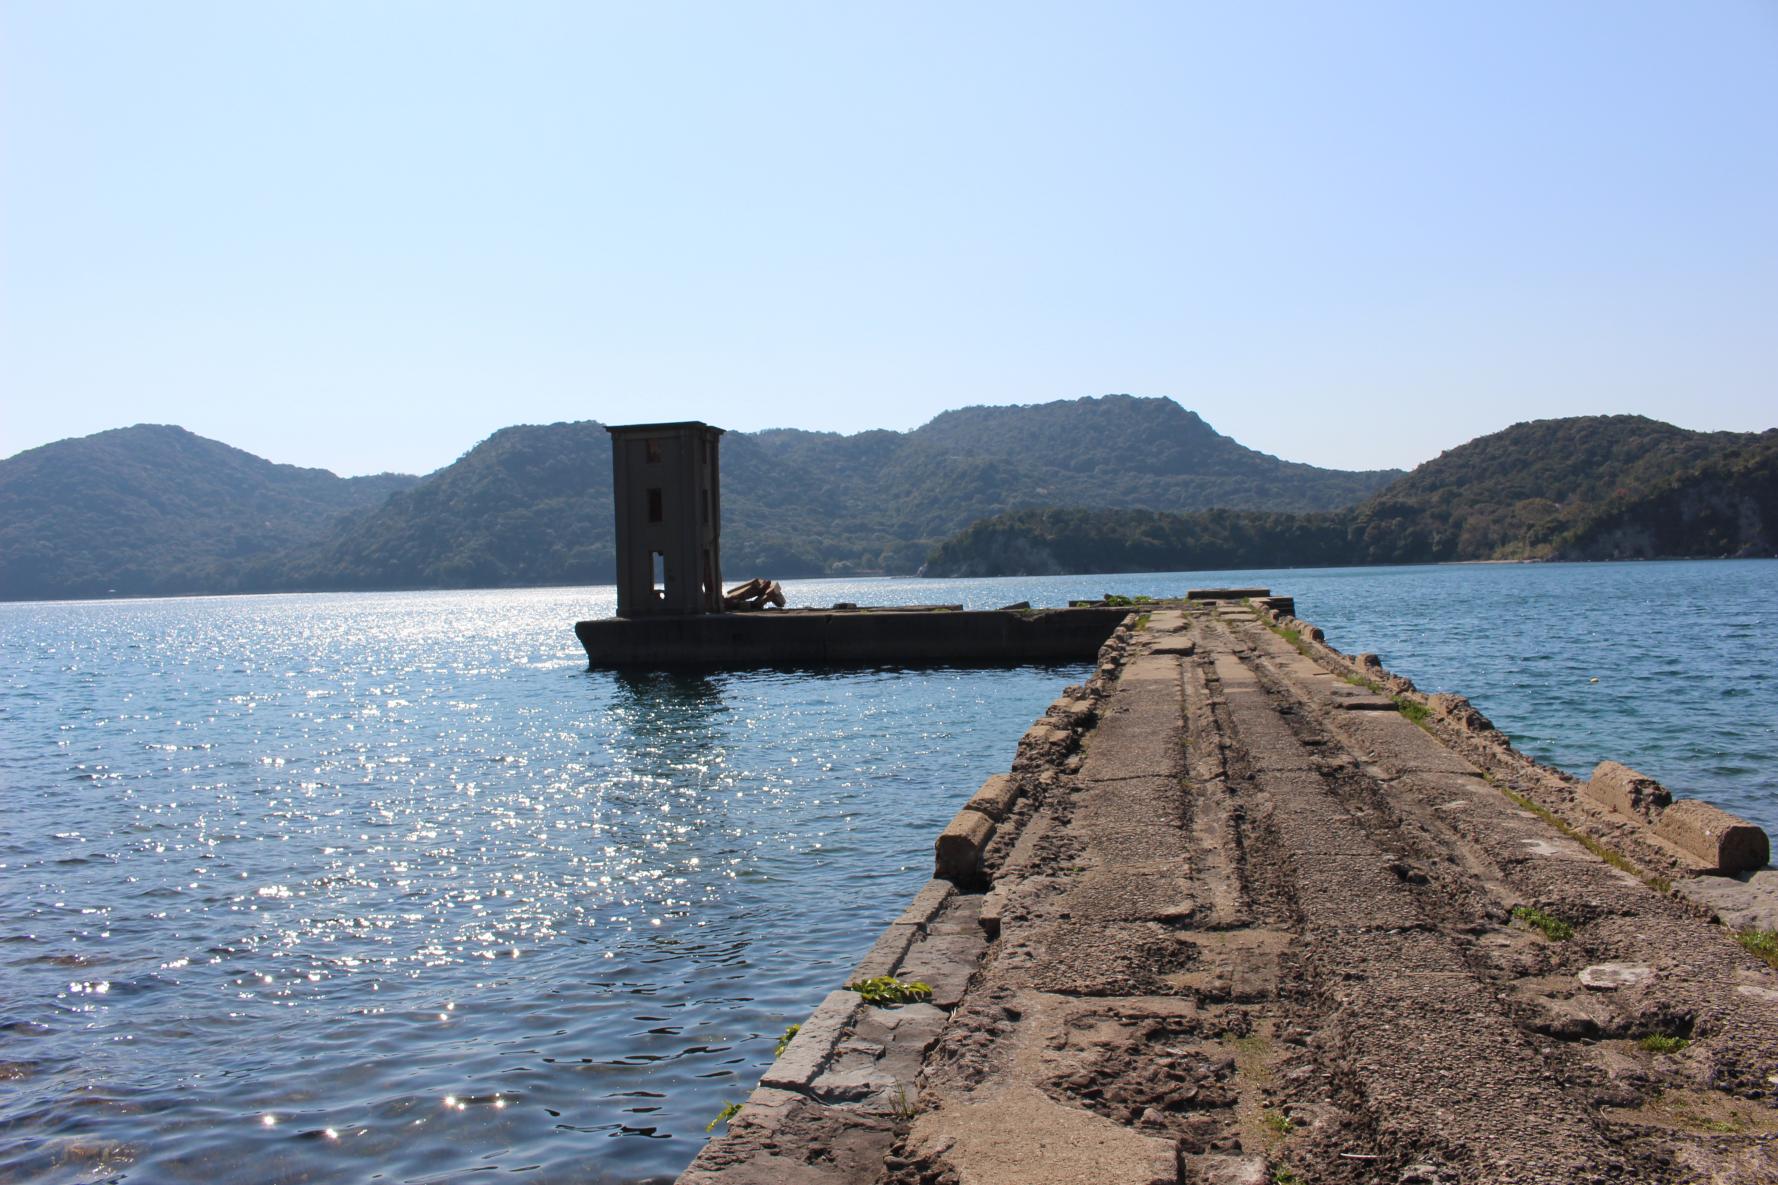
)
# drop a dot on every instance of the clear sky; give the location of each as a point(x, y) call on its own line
point(365, 235)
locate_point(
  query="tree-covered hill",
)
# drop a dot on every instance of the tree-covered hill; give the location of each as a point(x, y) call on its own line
point(532, 504)
point(1591, 487)
point(1725, 505)
point(1512, 494)
point(1148, 453)
point(529, 505)
point(157, 509)
point(1039, 542)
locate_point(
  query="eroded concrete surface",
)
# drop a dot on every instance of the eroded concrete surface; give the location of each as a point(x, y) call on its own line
point(1245, 922)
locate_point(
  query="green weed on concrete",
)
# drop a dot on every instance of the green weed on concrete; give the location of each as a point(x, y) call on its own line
point(1659, 884)
point(728, 1112)
point(888, 991)
point(784, 1041)
point(1418, 713)
point(1553, 927)
point(1662, 1043)
point(1763, 943)
point(1293, 637)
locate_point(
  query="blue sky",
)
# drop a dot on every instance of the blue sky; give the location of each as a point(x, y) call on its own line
point(363, 236)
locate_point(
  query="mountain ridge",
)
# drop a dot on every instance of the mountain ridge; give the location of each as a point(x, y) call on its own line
point(1576, 488)
point(531, 504)
point(156, 508)
point(1109, 483)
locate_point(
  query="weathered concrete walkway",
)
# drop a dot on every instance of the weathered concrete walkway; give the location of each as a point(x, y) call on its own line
point(1234, 918)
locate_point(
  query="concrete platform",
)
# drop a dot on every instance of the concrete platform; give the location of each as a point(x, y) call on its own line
point(849, 637)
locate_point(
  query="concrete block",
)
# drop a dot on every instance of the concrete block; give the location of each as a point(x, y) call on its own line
point(945, 963)
point(926, 903)
point(1745, 902)
point(993, 901)
point(767, 1143)
point(1069, 712)
point(812, 1048)
point(1018, 1135)
point(1727, 843)
point(886, 955)
point(879, 1062)
point(1225, 594)
point(1626, 791)
point(959, 849)
point(995, 798)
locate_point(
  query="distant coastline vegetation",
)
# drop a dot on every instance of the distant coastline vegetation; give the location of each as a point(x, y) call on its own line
point(1107, 484)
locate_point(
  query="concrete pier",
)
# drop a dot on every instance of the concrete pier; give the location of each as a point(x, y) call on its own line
point(1247, 910)
point(849, 637)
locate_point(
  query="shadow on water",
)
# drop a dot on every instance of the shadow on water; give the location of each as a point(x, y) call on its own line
point(672, 698)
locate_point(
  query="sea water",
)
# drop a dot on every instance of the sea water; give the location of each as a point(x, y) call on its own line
point(389, 887)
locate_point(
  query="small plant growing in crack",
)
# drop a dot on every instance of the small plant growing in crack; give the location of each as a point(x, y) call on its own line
point(1417, 713)
point(728, 1112)
point(1277, 1122)
point(1552, 927)
point(1659, 884)
point(888, 991)
point(1763, 943)
point(902, 1106)
point(1662, 1043)
point(784, 1041)
point(1285, 1175)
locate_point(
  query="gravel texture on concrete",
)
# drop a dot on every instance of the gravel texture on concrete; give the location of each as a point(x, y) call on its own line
point(1241, 920)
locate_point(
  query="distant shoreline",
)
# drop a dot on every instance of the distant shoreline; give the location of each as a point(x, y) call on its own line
point(875, 576)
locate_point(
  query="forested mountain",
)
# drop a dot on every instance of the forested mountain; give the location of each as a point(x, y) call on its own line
point(1590, 487)
point(1108, 484)
point(1514, 494)
point(1148, 453)
point(532, 504)
point(155, 508)
point(1724, 505)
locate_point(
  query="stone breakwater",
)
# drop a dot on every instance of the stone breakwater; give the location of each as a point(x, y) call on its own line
point(1246, 910)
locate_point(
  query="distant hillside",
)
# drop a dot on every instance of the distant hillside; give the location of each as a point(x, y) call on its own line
point(1148, 453)
point(532, 505)
point(1592, 487)
point(1725, 505)
point(1054, 541)
point(529, 505)
point(1515, 494)
point(157, 509)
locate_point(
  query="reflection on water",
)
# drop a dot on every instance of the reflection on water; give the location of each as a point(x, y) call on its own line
point(320, 888)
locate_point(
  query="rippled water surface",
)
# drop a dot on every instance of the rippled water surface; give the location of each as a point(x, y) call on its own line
point(388, 887)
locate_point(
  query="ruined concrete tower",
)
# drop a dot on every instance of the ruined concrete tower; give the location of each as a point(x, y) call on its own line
point(667, 486)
